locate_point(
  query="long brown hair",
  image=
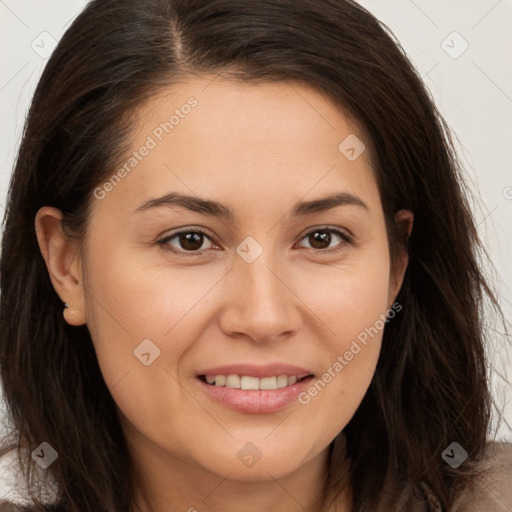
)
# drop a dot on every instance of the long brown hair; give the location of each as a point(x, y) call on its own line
point(430, 386)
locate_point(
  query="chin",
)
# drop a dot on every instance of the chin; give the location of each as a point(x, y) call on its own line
point(249, 463)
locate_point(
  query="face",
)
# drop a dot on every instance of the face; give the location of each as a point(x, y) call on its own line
point(187, 301)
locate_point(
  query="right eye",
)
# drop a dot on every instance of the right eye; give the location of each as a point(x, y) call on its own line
point(186, 241)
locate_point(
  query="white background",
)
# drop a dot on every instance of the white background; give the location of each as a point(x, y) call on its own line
point(473, 90)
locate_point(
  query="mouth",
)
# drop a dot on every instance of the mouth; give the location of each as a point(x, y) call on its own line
point(255, 394)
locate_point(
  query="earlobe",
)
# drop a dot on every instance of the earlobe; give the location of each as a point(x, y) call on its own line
point(62, 260)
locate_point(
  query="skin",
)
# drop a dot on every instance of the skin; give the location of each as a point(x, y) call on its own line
point(257, 149)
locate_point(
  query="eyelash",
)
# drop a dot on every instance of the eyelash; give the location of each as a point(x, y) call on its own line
point(340, 247)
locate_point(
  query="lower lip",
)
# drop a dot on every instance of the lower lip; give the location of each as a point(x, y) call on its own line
point(256, 401)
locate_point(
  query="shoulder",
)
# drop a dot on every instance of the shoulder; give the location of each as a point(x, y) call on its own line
point(492, 490)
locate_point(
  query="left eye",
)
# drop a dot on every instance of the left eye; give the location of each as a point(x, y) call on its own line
point(320, 239)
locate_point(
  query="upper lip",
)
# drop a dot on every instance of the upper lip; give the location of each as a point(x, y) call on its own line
point(268, 370)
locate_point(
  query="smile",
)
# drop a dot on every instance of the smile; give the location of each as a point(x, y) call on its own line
point(247, 382)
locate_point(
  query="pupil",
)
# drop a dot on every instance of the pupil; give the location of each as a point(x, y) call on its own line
point(321, 237)
point(191, 241)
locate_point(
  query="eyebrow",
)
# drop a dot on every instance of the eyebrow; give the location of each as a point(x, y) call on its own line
point(215, 209)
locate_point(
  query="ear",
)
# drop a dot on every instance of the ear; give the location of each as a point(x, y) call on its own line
point(63, 263)
point(404, 220)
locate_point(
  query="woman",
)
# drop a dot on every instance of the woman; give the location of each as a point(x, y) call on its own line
point(239, 272)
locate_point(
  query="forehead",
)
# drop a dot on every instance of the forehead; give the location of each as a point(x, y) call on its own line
point(227, 140)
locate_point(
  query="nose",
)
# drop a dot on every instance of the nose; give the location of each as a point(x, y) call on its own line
point(260, 304)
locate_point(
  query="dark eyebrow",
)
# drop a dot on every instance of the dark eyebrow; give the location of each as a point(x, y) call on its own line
point(219, 210)
point(326, 203)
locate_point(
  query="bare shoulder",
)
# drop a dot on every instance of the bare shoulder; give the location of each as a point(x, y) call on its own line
point(492, 491)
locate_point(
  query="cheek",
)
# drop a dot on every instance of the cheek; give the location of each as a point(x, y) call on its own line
point(349, 297)
point(130, 300)
point(354, 308)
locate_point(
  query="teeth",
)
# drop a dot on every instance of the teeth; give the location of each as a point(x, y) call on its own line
point(282, 381)
point(247, 382)
point(268, 383)
point(220, 380)
point(232, 381)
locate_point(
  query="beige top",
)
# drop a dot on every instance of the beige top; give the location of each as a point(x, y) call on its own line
point(491, 493)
